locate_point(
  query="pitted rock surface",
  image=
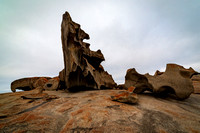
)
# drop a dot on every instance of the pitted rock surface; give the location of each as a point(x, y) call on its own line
point(82, 66)
point(94, 111)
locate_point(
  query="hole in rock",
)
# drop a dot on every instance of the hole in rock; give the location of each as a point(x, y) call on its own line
point(49, 85)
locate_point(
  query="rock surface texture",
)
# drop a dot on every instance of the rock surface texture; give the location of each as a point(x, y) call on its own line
point(175, 80)
point(94, 111)
point(196, 83)
point(82, 66)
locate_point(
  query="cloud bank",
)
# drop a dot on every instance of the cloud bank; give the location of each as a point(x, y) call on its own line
point(142, 34)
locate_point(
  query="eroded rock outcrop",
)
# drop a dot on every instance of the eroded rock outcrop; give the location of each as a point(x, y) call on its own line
point(28, 83)
point(175, 80)
point(82, 66)
point(39, 83)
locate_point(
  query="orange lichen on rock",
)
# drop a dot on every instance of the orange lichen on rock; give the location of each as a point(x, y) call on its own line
point(76, 112)
point(162, 131)
point(131, 89)
point(87, 117)
point(68, 126)
point(26, 117)
point(125, 97)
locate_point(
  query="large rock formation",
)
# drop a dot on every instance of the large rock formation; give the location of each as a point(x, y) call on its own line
point(95, 112)
point(82, 66)
point(40, 83)
point(175, 80)
point(28, 83)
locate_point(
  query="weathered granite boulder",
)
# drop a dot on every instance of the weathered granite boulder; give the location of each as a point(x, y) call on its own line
point(196, 83)
point(139, 81)
point(175, 80)
point(28, 83)
point(95, 112)
point(82, 66)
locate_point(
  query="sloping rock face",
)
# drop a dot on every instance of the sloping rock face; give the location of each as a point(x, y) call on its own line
point(94, 111)
point(175, 80)
point(196, 83)
point(82, 66)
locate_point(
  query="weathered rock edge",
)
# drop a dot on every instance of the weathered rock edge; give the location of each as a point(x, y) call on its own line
point(83, 67)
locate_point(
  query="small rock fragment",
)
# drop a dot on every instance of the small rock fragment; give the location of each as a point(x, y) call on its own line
point(125, 97)
point(131, 89)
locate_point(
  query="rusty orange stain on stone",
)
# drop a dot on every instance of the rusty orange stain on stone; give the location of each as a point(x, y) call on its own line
point(2, 125)
point(63, 109)
point(162, 131)
point(19, 131)
point(68, 126)
point(124, 94)
point(32, 117)
point(27, 117)
point(77, 112)
point(87, 117)
point(131, 89)
point(192, 130)
point(21, 118)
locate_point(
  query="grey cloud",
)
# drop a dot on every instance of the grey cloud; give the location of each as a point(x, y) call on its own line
point(141, 34)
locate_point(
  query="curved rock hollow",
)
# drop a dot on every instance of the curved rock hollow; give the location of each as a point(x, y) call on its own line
point(175, 80)
point(82, 67)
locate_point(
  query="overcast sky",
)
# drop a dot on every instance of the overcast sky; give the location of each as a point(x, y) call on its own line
point(141, 34)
